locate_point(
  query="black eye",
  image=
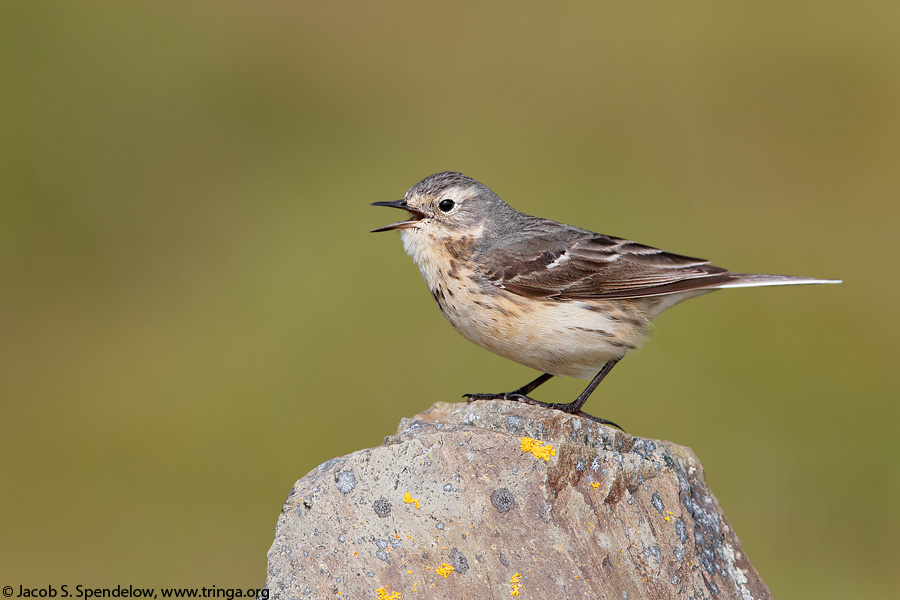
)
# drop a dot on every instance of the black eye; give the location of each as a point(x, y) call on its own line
point(446, 205)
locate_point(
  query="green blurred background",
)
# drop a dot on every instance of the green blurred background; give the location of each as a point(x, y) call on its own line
point(193, 313)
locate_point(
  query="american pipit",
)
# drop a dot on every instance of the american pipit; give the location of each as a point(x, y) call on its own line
point(556, 298)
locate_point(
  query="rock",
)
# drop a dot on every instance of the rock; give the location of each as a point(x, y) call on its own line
point(495, 499)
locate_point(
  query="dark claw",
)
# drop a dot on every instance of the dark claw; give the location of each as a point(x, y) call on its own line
point(600, 420)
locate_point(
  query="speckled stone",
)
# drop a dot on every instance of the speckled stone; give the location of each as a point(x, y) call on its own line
point(495, 499)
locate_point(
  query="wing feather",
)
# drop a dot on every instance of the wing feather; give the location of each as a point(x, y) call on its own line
point(569, 263)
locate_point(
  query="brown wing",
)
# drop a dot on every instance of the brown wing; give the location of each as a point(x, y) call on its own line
point(566, 262)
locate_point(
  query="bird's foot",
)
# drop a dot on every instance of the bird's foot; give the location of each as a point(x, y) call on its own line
point(503, 396)
point(514, 396)
point(569, 408)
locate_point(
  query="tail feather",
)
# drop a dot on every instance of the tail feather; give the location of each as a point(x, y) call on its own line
point(736, 280)
point(718, 279)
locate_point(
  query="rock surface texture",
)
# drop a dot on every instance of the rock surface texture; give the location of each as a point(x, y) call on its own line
point(496, 499)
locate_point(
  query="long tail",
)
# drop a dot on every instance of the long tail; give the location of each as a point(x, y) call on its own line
point(708, 278)
point(736, 280)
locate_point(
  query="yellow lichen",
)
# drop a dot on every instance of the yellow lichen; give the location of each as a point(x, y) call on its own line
point(515, 585)
point(444, 570)
point(537, 448)
point(383, 595)
point(407, 497)
point(595, 484)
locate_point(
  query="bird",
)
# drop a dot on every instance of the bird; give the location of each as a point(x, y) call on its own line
point(559, 299)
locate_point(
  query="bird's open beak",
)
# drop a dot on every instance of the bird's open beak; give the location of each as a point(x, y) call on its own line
point(414, 215)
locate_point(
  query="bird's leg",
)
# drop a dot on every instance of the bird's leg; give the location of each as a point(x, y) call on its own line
point(574, 407)
point(521, 392)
